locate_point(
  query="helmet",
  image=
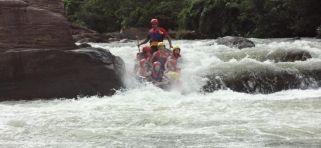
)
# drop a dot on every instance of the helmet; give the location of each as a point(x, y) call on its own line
point(156, 63)
point(176, 47)
point(175, 75)
point(173, 62)
point(147, 49)
point(160, 44)
point(141, 62)
point(154, 21)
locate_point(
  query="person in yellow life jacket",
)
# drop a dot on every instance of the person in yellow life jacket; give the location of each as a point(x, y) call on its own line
point(144, 71)
point(161, 55)
point(156, 35)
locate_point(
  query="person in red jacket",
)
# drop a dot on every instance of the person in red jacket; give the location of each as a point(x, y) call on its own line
point(171, 66)
point(161, 55)
point(176, 55)
point(144, 71)
point(145, 54)
point(156, 35)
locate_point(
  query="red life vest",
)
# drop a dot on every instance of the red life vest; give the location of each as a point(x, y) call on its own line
point(175, 57)
point(156, 35)
point(161, 58)
point(157, 76)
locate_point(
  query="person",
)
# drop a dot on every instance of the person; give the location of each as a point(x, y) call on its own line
point(157, 76)
point(171, 66)
point(173, 82)
point(145, 54)
point(156, 35)
point(143, 71)
point(174, 56)
point(161, 55)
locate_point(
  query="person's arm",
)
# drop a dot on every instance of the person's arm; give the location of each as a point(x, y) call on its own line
point(166, 64)
point(169, 40)
point(145, 41)
point(152, 59)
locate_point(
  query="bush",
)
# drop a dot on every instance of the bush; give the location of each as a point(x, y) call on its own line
point(213, 18)
point(319, 32)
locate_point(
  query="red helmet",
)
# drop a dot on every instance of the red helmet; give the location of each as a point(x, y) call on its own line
point(173, 62)
point(142, 62)
point(154, 21)
point(147, 49)
point(156, 63)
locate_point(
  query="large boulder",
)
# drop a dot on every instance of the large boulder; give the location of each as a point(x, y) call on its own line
point(81, 34)
point(186, 34)
point(256, 78)
point(290, 55)
point(277, 55)
point(235, 42)
point(34, 24)
point(46, 74)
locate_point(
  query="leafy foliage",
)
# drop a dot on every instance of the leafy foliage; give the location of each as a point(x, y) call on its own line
point(215, 18)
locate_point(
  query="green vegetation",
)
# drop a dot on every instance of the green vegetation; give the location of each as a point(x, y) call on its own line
point(319, 32)
point(214, 18)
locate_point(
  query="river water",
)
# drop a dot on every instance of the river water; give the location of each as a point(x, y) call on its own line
point(145, 116)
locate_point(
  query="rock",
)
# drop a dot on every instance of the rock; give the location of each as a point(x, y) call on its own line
point(47, 74)
point(278, 55)
point(188, 35)
point(85, 45)
point(238, 42)
point(34, 24)
point(82, 34)
point(131, 33)
point(124, 41)
point(293, 39)
point(261, 79)
point(113, 39)
point(289, 55)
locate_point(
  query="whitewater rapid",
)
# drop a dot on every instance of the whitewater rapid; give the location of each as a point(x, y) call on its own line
point(145, 116)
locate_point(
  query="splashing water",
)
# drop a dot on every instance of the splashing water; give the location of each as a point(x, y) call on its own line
point(145, 116)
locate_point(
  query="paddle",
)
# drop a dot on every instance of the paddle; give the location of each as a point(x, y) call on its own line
point(168, 50)
point(138, 43)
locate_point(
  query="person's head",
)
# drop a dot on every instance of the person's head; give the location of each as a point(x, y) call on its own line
point(161, 46)
point(147, 49)
point(154, 23)
point(156, 66)
point(176, 49)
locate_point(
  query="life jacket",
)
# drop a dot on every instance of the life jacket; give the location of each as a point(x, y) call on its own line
point(161, 58)
point(156, 35)
point(175, 57)
point(157, 76)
